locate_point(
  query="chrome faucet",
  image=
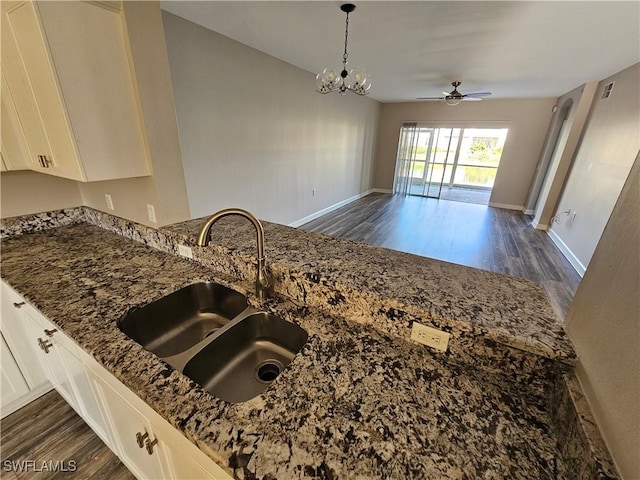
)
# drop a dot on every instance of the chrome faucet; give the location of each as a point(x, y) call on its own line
point(263, 280)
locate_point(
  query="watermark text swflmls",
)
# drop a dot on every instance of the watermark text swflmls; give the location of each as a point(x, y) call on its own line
point(39, 466)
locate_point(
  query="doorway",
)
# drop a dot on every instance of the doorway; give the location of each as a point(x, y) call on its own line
point(449, 163)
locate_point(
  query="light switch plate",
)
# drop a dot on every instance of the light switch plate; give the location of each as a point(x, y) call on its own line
point(430, 336)
point(107, 198)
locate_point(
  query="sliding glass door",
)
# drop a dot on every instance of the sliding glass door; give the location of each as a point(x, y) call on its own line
point(432, 158)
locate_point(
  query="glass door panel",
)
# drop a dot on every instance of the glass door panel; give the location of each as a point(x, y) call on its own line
point(419, 165)
point(479, 156)
point(444, 154)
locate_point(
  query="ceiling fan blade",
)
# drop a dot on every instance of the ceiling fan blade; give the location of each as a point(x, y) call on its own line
point(472, 99)
point(478, 94)
point(447, 93)
point(430, 98)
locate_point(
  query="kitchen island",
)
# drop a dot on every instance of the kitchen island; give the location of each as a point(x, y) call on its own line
point(358, 402)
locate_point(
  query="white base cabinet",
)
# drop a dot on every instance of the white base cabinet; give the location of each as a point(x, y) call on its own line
point(13, 385)
point(23, 379)
point(146, 443)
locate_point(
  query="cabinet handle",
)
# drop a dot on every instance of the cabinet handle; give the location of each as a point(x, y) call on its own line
point(49, 333)
point(44, 345)
point(149, 445)
point(44, 161)
point(140, 438)
point(18, 305)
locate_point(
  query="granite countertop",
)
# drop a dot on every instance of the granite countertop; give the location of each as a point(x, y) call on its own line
point(355, 403)
point(512, 311)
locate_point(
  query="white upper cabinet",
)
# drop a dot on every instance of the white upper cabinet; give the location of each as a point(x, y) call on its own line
point(69, 74)
point(14, 148)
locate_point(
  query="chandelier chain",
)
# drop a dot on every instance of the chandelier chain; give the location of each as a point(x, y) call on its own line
point(346, 39)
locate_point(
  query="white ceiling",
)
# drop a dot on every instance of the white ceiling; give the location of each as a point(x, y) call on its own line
point(416, 49)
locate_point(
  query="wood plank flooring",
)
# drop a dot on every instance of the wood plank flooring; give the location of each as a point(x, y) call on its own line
point(49, 430)
point(477, 236)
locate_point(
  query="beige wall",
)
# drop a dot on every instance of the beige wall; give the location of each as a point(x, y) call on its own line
point(604, 325)
point(255, 134)
point(527, 120)
point(609, 145)
point(25, 192)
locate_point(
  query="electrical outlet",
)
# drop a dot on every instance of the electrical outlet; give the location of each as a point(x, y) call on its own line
point(430, 336)
point(107, 199)
point(185, 251)
point(151, 212)
point(313, 192)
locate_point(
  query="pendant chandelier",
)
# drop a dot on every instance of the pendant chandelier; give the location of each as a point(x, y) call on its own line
point(355, 81)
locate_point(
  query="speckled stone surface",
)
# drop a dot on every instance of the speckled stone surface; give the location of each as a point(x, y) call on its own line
point(583, 449)
point(40, 221)
point(356, 402)
point(489, 315)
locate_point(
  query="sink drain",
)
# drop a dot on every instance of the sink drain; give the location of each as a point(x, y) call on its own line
point(268, 371)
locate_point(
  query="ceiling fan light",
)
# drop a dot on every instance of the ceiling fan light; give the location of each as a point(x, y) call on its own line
point(452, 101)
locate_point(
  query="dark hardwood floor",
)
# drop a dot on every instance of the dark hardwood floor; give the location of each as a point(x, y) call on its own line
point(49, 430)
point(468, 234)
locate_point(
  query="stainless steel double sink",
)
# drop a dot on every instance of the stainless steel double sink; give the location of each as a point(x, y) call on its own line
point(212, 335)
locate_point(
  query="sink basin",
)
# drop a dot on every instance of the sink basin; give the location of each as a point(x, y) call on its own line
point(177, 322)
point(243, 360)
point(211, 334)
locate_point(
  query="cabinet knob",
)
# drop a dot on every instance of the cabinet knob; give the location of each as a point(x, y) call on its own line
point(18, 305)
point(149, 445)
point(49, 333)
point(44, 345)
point(140, 438)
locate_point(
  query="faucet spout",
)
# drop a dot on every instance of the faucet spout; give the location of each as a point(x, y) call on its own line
point(263, 280)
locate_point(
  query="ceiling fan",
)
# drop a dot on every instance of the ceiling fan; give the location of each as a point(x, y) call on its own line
point(455, 97)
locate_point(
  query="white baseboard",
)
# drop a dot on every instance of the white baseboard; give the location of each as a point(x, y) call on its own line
point(528, 212)
point(26, 399)
point(333, 207)
point(566, 251)
point(506, 206)
point(379, 190)
point(539, 226)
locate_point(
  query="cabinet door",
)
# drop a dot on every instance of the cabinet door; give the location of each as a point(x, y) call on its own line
point(20, 339)
point(53, 358)
point(187, 467)
point(92, 409)
point(89, 48)
point(15, 150)
point(13, 384)
point(32, 81)
point(133, 437)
